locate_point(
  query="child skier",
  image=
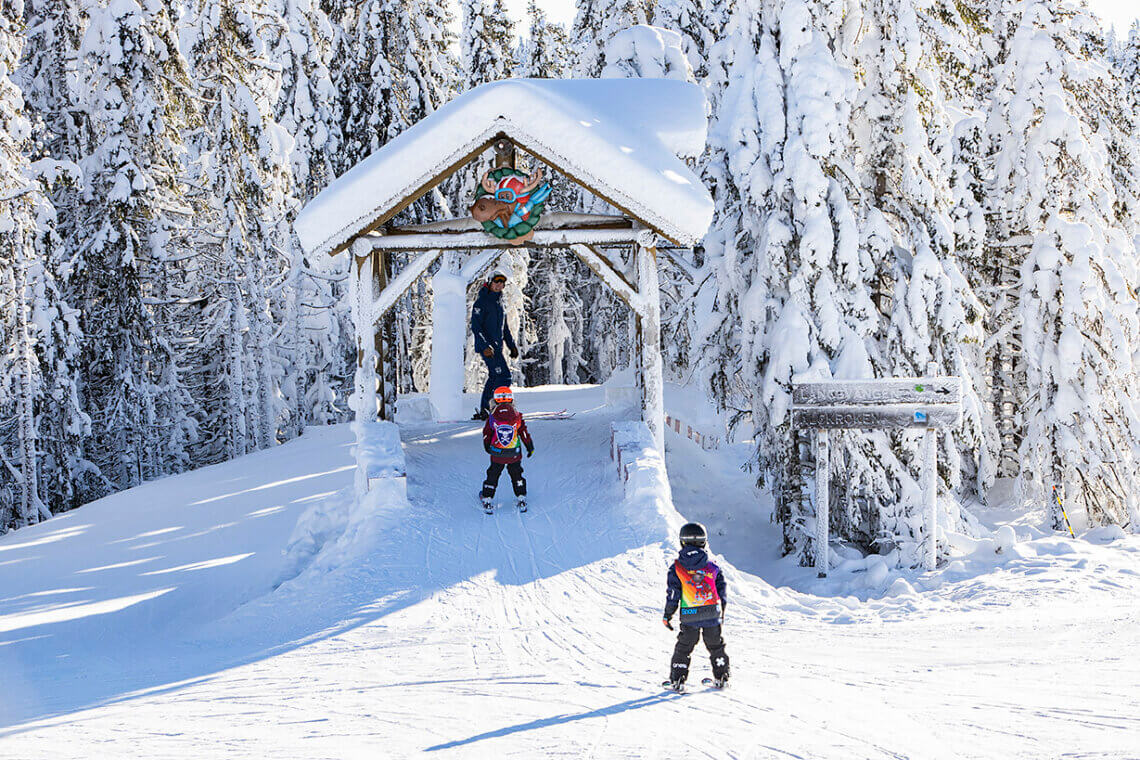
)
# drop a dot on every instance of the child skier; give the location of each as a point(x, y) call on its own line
point(697, 586)
point(504, 436)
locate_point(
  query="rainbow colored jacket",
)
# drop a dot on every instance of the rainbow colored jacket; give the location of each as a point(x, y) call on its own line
point(505, 435)
point(696, 586)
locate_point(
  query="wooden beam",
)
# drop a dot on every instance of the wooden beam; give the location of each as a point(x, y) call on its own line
point(461, 240)
point(553, 220)
point(652, 365)
point(400, 284)
point(602, 267)
point(362, 291)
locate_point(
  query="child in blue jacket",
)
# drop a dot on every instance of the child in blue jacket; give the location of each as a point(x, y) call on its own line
point(696, 586)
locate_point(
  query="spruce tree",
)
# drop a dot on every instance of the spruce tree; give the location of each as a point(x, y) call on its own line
point(1076, 314)
point(243, 168)
point(142, 413)
point(545, 54)
point(485, 41)
point(933, 317)
point(595, 23)
point(21, 383)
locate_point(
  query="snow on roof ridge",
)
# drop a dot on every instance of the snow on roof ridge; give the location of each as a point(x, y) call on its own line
point(621, 136)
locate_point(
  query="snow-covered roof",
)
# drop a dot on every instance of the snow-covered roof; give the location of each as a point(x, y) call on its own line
point(622, 138)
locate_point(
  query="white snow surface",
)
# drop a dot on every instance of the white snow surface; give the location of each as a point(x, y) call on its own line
point(622, 136)
point(168, 620)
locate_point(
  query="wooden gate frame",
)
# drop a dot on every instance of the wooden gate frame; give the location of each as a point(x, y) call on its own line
point(374, 292)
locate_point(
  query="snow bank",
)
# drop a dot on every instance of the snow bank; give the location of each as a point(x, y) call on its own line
point(378, 450)
point(342, 527)
point(648, 497)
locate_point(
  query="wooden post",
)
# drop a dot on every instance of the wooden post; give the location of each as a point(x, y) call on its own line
point(649, 334)
point(383, 342)
point(449, 301)
point(930, 481)
point(930, 494)
point(822, 497)
point(363, 294)
point(504, 153)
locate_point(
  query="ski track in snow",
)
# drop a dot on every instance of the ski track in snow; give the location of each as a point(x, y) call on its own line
point(460, 634)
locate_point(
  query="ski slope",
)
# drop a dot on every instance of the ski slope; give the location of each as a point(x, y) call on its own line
point(179, 620)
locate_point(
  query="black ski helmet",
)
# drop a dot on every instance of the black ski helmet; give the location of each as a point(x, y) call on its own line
point(694, 534)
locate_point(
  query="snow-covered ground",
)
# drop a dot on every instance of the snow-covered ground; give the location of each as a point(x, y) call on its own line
point(167, 621)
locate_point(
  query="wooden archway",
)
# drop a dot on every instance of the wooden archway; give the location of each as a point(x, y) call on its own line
point(374, 292)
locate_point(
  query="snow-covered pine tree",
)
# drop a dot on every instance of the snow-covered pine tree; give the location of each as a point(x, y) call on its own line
point(793, 282)
point(366, 82)
point(485, 41)
point(646, 51)
point(67, 478)
point(243, 169)
point(906, 154)
point(427, 65)
point(141, 413)
point(314, 314)
point(545, 53)
point(1076, 315)
point(1118, 110)
point(698, 28)
point(306, 108)
point(20, 206)
point(735, 129)
point(595, 23)
point(1129, 65)
point(49, 77)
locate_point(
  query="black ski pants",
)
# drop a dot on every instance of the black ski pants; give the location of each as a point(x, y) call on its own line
point(514, 470)
point(687, 641)
point(498, 373)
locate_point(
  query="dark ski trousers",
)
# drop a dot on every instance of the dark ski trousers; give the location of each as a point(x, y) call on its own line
point(514, 470)
point(497, 374)
point(687, 641)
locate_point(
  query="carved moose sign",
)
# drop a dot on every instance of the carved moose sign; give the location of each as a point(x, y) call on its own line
point(509, 203)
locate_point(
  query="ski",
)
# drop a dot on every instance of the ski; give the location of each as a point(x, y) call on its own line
point(679, 688)
point(522, 505)
point(713, 683)
point(488, 506)
point(562, 415)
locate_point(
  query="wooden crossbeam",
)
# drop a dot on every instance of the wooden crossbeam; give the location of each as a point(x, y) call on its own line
point(399, 284)
point(552, 220)
point(467, 240)
point(604, 268)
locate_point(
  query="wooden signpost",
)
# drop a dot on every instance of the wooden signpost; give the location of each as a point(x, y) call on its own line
point(901, 403)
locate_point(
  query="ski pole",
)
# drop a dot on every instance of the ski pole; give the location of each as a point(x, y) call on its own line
point(1068, 524)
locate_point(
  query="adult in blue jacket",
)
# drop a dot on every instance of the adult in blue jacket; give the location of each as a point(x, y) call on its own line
point(489, 325)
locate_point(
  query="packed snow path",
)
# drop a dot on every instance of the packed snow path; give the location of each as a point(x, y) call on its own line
point(148, 625)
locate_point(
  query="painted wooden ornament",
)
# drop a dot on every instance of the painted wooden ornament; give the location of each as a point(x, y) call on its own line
point(509, 203)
